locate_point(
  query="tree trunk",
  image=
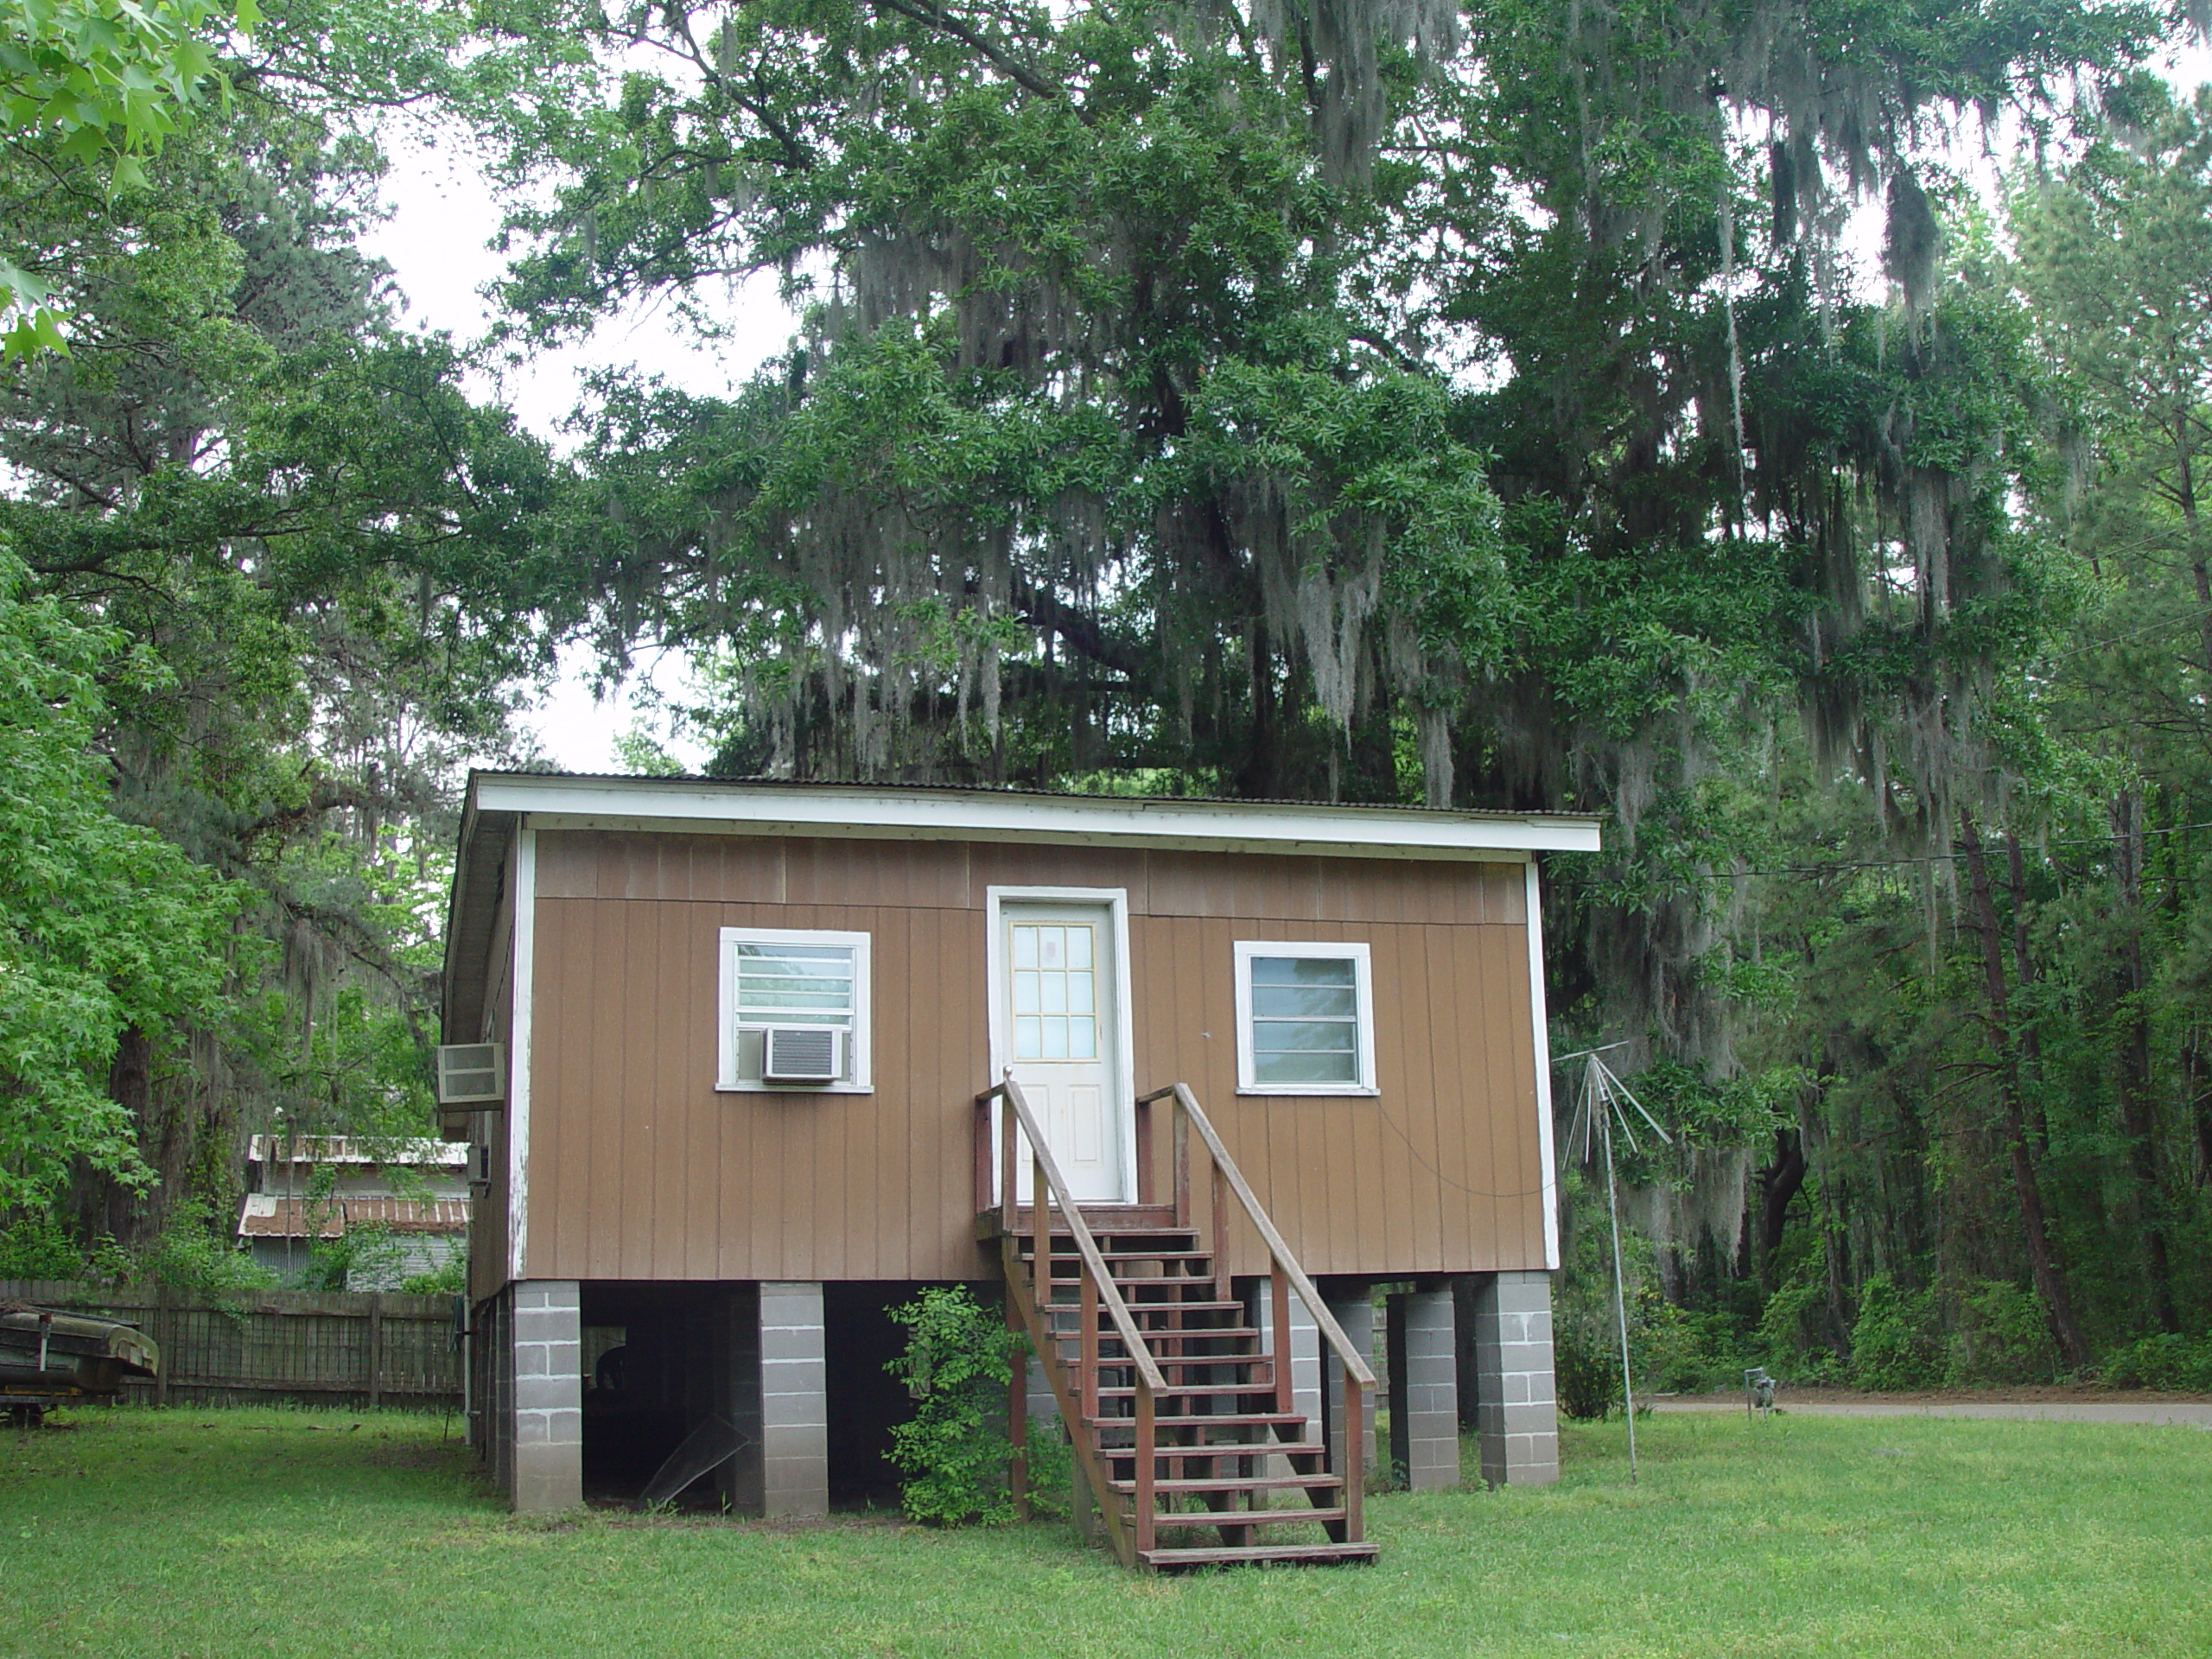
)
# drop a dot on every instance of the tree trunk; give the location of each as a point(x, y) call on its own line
point(2132, 1055)
point(2185, 497)
point(2044, 1261)
point(1779, 1184)
point(2024, 975)
point(1839, 1312)
point(105, 1208)
point(2197, 1068)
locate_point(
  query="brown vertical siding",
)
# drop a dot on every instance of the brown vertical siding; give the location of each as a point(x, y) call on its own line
point(640, 1169)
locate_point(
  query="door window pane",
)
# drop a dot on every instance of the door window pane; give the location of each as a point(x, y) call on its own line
point(1055, 991)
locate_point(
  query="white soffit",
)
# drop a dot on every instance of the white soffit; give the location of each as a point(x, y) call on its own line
point(553, 802)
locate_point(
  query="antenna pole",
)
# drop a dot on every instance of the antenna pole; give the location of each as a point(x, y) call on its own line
point(1620, 1298)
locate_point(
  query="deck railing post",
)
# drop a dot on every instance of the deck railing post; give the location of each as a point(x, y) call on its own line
point(983, 1154)
point(1279, 1311)
point(1354, 1472)
point(1089, 1344)
point(1017, 1415)
point(1145, 1183)
point(1040, 1240)
point(1007, 1131)
point(1220, 1243)
point(1147, 1522)
point(1182, 1167)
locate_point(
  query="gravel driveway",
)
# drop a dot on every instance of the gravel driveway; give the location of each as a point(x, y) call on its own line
point(2193, 1414)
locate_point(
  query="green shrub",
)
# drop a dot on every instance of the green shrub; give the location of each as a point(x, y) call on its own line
point(1793, 1340)
point(195, 1251)
point(1587, 1368)
point(366, 1254)
point(1894, 1342)
point(2002, 1336)
point(1684, 1351)
point(38, 1247)
point(2167, 1360)
point(448, 1278)
point(959, 1361)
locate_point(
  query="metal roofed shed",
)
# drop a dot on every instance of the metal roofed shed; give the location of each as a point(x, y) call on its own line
point(312, 1188)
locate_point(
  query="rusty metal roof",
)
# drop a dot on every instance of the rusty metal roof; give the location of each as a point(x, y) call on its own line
point(267, 1215)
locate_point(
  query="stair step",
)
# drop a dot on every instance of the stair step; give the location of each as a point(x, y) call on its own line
point(1194, 1392)
point(1258, 1554)
point(1064, 1300)
point(1189, 1362)
point(1220, 1332)
point(1140, 1310)
point(1222, 1449)
point(1233, 1484)
point(1218, 1419)
point(1242, 1517)
point(1133, 1287)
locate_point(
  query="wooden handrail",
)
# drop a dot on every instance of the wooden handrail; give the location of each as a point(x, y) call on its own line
point(1109, 1295)
point(1354, 1365)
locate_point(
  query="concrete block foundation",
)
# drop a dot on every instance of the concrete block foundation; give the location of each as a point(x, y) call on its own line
point(794, 1403)
point(538, 1417)
point(1424, 1389)
point(1515, 1415)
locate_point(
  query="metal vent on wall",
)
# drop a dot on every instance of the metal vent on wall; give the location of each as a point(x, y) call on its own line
point(803, 1054)
point(472, 1074)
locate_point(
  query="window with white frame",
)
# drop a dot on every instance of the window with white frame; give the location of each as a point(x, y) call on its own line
point(794, 1011)
point(1305, 1019)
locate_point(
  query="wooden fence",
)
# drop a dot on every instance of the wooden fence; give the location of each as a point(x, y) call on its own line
point(250, 1347)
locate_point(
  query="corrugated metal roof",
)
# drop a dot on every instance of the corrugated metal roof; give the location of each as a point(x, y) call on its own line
point(351, 1149)
point(693, 780)
point(267, 1215)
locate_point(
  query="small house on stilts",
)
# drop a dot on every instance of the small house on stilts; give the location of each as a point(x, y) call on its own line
point(743, 1065)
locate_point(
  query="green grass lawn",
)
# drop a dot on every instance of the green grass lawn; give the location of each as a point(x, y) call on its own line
point(181, 1532)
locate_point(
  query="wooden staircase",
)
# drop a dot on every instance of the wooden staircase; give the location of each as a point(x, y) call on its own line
point(1177, 1404)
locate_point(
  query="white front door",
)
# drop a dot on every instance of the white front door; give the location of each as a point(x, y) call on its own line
point(1057, 1026)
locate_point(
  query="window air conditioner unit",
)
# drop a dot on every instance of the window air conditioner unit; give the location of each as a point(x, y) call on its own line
point(472, 1074)
point(803, 1054)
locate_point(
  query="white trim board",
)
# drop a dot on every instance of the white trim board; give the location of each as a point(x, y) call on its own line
point(1541, 1035)
point(556, 802)
point(524, 982)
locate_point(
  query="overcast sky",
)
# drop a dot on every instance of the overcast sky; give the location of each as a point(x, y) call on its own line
point(443, 215)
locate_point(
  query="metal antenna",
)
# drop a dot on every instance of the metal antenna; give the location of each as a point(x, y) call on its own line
point(1601, 1097)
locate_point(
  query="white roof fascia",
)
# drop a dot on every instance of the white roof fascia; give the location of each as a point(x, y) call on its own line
point(554, 802)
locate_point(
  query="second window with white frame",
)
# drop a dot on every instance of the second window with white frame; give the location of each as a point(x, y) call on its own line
point(794, 1010)
point(1305, 1018)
